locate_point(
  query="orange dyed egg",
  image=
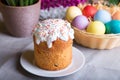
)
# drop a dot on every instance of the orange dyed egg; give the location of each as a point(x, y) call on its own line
point(116, 16)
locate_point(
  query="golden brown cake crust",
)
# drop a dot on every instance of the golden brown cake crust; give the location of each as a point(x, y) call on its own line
point(55, 58)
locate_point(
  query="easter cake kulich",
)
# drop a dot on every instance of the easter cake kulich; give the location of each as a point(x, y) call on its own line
point(97, 26)
point(53, 39)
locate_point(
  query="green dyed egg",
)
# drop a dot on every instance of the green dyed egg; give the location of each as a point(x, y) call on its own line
point(108, 28)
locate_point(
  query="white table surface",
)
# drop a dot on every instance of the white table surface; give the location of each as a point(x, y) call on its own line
point(100, 64)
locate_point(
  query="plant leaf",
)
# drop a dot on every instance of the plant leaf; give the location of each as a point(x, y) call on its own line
point(30, 2)
point(11, 2)
point(114, 2)
point(21, 3)
point(34, 1)
point(26, 2)
point(17, 2)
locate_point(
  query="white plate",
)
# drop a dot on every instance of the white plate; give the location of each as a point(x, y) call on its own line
point(78, 61)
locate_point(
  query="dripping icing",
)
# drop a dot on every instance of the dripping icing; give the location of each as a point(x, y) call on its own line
point(51, 29)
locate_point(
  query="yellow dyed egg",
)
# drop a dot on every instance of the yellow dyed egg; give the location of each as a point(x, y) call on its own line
point(116, 16)
point(96, 27)
point(72, 12)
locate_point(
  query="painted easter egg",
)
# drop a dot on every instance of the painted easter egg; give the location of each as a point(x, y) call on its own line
point(89, 11)
point(115, 26)
point(103, 16)
point(96, 27)
point(72, 12)
point(80, 22)
point(116, 16)
point(108, 28)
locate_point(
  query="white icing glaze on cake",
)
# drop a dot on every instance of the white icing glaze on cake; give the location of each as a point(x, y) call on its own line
point(51, 29)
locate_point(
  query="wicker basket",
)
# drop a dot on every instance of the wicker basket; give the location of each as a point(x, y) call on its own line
point(107, 41)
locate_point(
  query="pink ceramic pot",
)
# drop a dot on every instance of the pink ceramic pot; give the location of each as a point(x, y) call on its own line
point(20, 21)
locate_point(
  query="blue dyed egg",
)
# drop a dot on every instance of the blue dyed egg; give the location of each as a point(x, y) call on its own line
point(103, 16)
point(115, 26)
